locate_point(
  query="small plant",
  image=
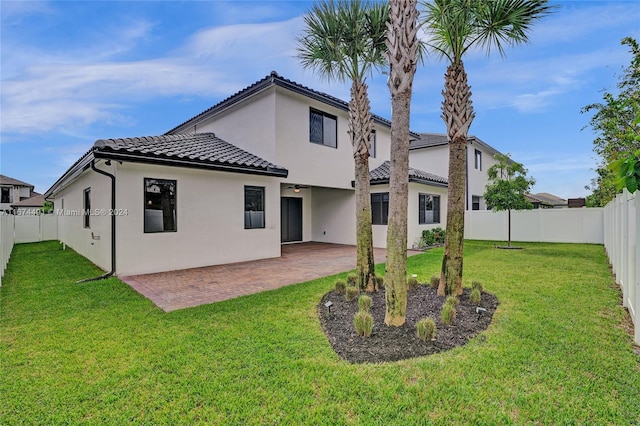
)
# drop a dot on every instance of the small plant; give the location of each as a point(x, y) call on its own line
point(426, 329)
point(412, 283)
point(380, 282)
point(431, 237)
point(364, 303)
point(352, 292)
point(452, 300)
point(352, 279)
point(477, 285)
point(341, 287)
point(435, 281)
point(363, 322)
point(448, 313)
point(475, 296)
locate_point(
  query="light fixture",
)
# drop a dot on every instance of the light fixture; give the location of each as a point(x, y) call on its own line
point(328, 305)
point(479, 311)
point(296, 189)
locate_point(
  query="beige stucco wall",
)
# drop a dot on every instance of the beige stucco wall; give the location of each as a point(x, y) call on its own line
point(210, 220)
point(334, 216)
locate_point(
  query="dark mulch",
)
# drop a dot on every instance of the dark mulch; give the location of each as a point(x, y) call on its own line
point(396, 343)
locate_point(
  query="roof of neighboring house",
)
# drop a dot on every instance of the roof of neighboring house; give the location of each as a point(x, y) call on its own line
point(382, 173)
point(550, 199)
point(36, 201)
point(429, 140)
point(273, 79)
point(195, 150)
point(6, 180)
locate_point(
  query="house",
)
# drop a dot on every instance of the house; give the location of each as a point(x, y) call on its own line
point(12, 191)
point(29, 206)
point(431, 152)
point(269, 165)
point(547, 201)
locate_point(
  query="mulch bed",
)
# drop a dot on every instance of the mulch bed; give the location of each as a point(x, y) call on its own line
point(396, 343)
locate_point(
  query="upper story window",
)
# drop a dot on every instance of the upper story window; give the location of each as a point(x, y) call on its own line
point(253, 207)
point(86, 205)
point(428, 209)
point(478, 158)
point(372, 144)
point(323, 128)
point(475, 202)
point(379, 208)
point(160, 205)
point(6, 195)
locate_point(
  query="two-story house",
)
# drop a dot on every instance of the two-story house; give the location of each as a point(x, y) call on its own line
point(431, 152)
point(271, 164)
point(12, 191)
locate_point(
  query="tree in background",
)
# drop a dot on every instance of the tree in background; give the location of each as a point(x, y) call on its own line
point(507, 187)
point(345, 41)
point(454, 27)
point(617, 123)
point(402, 48)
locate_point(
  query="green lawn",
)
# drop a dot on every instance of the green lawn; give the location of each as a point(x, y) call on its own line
point(99, 353)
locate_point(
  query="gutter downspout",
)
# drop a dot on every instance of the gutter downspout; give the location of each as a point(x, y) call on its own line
point(113, 226)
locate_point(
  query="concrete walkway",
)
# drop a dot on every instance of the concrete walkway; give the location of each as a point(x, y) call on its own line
point(299, 262)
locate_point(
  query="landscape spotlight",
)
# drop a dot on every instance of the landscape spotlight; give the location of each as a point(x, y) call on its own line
point(329, 304)
point(479, 311)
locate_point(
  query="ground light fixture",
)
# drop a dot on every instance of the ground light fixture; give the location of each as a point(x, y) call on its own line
point(328, 304)
point(479, 311)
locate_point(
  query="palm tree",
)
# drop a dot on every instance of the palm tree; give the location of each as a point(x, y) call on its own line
point(454, 27)
point(402, 47)
point(345, 41)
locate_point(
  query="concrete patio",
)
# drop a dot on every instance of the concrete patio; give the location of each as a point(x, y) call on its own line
point(299, 262)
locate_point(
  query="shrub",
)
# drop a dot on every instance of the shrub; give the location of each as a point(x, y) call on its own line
point(452, 300)
point(364, 303)
point(477, 285)
point(363, 322)
point(435, 281)
point(426, 329)
point(412, 283)
point(432, 237)
point(380, 282)
point(341, 286)
point(448, 313)
point(475, 296)
point(352, 279)
point(352, 292)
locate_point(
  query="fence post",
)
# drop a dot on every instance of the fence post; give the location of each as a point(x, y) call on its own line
point(636, 299)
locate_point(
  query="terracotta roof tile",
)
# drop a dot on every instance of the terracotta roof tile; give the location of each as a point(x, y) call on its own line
point(382, 173)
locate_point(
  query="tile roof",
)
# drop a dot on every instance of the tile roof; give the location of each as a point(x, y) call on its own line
point(429, 140)
point(6, 180)
point(201, 150)
point(273, 79)
point(36, 201)
point(382, 173)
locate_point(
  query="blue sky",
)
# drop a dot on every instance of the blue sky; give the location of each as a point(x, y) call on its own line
point(74, 72)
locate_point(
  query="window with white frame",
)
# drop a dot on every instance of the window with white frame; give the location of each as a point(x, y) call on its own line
point(478, 159)
point(323, 128)
point(160, 205)
point(253, 207)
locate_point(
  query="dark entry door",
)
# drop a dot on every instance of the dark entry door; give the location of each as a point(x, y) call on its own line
point(291, 219)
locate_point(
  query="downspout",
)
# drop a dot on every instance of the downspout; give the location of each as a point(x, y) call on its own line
point(113, 226)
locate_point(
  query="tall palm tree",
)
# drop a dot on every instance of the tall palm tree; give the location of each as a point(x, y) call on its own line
point(345, 41)
point(453, 28)
point(402, 48)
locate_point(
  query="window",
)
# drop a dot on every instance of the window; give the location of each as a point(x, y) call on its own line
point(379, 208)
point(478, 157)
point(86, 205)
point(6, 195)
point(323, 128)
point(372, 144)
point(475, 202)
point(160, 205)
point(253, 207)
point(428, 209)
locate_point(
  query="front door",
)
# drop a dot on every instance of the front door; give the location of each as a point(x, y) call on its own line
point(291, 219)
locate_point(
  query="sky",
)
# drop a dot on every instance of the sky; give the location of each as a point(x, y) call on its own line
point(73, 72)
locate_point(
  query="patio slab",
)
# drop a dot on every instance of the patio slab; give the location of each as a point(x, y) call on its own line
point(300, 262)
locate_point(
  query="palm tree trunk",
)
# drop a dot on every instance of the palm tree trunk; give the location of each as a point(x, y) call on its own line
point(360, 130)
point(402, 49)
point(457, 113)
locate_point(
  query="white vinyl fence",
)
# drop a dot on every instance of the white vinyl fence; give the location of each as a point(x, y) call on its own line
point(621, 237)
point(583, 225)
point(24, 229)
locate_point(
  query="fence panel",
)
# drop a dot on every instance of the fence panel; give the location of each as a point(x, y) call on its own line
point(6, 241)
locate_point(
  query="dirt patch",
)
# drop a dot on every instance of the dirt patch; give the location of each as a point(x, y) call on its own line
point(396, 343)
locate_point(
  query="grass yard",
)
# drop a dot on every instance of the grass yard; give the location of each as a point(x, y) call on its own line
point(99, 353)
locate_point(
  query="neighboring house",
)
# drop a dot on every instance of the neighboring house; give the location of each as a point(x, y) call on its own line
point(12, 191)
point(271, 164)
point(431, 152)
point(30, 206)
point(549, 201)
